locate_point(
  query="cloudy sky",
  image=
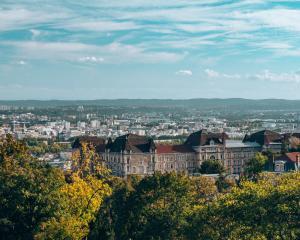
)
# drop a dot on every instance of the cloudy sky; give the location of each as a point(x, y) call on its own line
point(78, 49)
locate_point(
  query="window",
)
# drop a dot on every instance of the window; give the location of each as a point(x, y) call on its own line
point(141, 169)
point(133, 169)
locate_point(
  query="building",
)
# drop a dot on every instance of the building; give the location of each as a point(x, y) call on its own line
point(287, 162)
point(132, 154)
point(268, 140)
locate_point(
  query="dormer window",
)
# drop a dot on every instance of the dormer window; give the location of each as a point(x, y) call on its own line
point(212, 142)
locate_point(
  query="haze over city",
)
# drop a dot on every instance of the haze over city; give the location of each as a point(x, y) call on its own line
point(149, 49)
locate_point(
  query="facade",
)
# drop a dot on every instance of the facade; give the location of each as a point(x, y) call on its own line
point(130, 154)
point(138, 155)
point(287, 162)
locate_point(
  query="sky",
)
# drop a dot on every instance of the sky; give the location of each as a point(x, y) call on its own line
point(179, 49)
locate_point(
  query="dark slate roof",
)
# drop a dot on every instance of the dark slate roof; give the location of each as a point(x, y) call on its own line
point(132, 142)
point(162, 148)
point(203, 137)
point(98, 143)
point(264, 137)
point(297, 135)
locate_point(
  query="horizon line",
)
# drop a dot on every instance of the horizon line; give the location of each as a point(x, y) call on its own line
point(163, 99)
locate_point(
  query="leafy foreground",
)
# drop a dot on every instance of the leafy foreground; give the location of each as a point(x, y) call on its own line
point(176, 207)
point(41, 202)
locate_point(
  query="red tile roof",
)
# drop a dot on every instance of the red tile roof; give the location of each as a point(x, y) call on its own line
point(292, 156)
point(161, 149)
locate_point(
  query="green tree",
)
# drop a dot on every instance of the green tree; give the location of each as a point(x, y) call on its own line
point(266, 209)
point(82, 197)
point(154, 208)
point(28, 191)
point(36, 202)
point(211, 167)
point(256, 165)
point(86, 161)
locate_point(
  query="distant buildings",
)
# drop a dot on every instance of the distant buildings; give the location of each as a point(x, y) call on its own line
point(133, 154)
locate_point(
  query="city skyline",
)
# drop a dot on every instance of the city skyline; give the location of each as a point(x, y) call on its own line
point(141, 49)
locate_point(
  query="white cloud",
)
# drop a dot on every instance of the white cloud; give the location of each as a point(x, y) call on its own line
point(214, 74)
point(167, 25)
point(211, 73)
point(19, 18)
point(91, 59)
point(21, 62)
point(100, 26)
point(288, 19)
point(273, 45)
point(70, 51)
point(267, 75)
point(184, 73)
point(35, 33)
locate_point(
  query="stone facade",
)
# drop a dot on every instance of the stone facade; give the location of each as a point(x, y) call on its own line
point(139, 155)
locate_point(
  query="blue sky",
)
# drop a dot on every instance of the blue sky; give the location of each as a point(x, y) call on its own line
point(63, 49)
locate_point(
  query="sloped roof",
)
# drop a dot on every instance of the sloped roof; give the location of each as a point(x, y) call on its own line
point(290, 157)
point(203, 137)
point(132, 142)
point(97, 142)
point(162, 148)
point(264, 137)
point(240, 144)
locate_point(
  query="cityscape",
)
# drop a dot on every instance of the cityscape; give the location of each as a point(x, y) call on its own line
point(167, 130)
point(149, 120)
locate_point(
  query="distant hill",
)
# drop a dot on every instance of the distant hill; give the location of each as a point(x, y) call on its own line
point(199, 103)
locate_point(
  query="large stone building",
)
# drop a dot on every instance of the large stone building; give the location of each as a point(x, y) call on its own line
point(133, 154)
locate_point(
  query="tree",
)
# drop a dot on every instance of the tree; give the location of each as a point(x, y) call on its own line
point(36, 201)
point(266, 209)
point(256, 165)
point(154, 208)
point(28, 191)
point(204, 189)
point(82, 197)
point(211, 167)
point(225, 184)
point(86, 162)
